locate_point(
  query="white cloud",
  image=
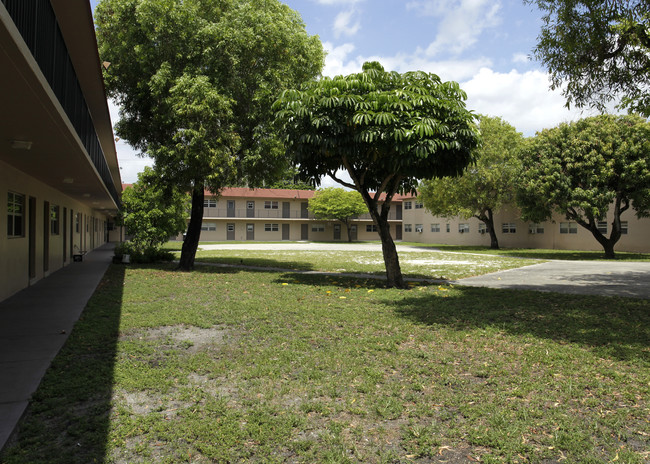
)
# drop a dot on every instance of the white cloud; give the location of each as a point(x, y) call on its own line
point(522, 99)
point(461, 22)
point(344, 24)
point(338, 2)
point(520, 58)
point(130, 163)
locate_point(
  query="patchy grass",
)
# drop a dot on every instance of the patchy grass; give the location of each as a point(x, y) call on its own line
point(225, 365)
point(425, 265)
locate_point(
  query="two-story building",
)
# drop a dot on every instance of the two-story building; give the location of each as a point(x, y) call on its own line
point(59, 176)
point(279, 214)
point(559, 233)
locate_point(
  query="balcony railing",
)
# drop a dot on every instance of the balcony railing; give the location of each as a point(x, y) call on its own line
point(268, 214)
point(36, 21)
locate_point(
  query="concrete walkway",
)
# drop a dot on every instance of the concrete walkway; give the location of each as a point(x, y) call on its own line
point(34, 325)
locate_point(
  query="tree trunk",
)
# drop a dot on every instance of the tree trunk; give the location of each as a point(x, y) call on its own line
point(347, 227)
point(489, 224)
point(191, 242)
point(391, 260)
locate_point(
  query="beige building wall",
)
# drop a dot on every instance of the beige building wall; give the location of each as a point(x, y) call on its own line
point(80, 228)
point(512, 232)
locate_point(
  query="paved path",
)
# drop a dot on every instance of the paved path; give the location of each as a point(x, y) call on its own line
point(34, 325)
point(310, 246)
point(610, 278)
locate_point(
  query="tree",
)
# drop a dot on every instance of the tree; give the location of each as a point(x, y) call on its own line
point(484, 187)
point(338, 204)
point(386, 129)
point(584, 168)
point(195, 80)
point(599, 49)
point(153, 212)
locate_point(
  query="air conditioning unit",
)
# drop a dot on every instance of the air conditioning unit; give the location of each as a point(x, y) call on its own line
point(418, 229)
point(462, 231)
point(532, 231)
point(481, 232)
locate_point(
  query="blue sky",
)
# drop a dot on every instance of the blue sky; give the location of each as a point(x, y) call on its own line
point(482, 44)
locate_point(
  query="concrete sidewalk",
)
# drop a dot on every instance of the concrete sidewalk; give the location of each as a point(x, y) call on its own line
point(34, 325)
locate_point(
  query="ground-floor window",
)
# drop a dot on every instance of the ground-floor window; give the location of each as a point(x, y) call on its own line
point(463, 228)
point(568, 228)
point(209, 226)
point(602, 227)
point(408, 228)
point(509, 228)
point(15, 215)
point(482, 228)
point(419, 228)
point(318, 228)
point(534, 228)
point(624, 227)
point(271, 227)
point(435, 227)
point(371, 228)
point(448, 228)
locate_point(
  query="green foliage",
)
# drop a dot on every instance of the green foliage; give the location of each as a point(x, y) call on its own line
point(584, 168)
point(486, 185)
point(152, 212)
point(597, 51)
point(386, 129)
point(338, 204)
point(140, 255)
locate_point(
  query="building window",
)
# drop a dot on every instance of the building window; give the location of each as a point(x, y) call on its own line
point(509, 228)
point(419, 228)
point(318, 228)
point(463, 228)
point(408, 228)
point(448, 228)
point(250, 205)
point(482, 228)
point(535, 228)
point(435, 227)
point(271, 227)
point(408, 205)
point(77, 222)
point(210, 203)
point(15, 215)
point(371, 228)
point(54, 220)
point(270, 205)
point(419, 205)
point(568, 228)
point(209, 226)
point(602, 227)
point(230, 227)
point(623, 227)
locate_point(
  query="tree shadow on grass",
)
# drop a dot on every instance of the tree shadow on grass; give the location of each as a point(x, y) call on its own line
point(613, 327)
point(68, 418)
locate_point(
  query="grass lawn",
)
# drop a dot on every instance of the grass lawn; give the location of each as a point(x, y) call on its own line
point(423, 265)
point(227, 365)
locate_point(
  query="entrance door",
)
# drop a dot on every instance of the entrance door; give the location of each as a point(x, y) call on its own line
point(250, 209)
point(304, 231)
point(32, 237)
point(353, 232)
point(337, 231)
point(398, 212)
point(46, 236)
point(285, 231)
point(304, 212)
point(398, 231)
point(230, 209)
point(230, 231)
point(286, 209)
point(250, 231)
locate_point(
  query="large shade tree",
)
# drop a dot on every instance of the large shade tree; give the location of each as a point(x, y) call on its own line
point(484, 187)
point(337, 204)
point(597, 51)
point(386, 129)
point(586, 169)
point(195, 81)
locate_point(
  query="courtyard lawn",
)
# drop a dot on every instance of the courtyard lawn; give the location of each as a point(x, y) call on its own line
point(227, 365)
point(433, 265)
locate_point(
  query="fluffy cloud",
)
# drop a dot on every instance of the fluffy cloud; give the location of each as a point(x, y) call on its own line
point(345, 23)
point(460, 22)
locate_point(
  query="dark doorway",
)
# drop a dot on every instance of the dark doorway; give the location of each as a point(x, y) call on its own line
point(250, 231)
point(32, 237)
point(337, 231)
point(285, 231)
point(304, 231)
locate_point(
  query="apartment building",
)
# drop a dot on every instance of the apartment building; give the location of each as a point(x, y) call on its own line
point(421, 226)
point(59, 176)
point(279, 214)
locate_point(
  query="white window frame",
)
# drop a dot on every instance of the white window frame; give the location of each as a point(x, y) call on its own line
point(535, 228)
point(408, 205)
point(15, 215)
point(371, 227)
point(435, 227)
point(463, 228)
point(208, 226)
point(482, 228)
point(408, 228)
point(271, 227)
point(568, 227)
point(270, 204)
point(602, 227)
point(624, 227)
point(209, 202)
point(508, 228)
point(318, 227)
